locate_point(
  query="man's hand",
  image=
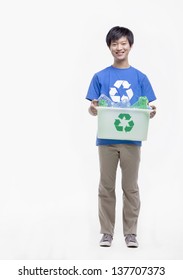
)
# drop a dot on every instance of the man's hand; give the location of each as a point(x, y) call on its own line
point(92, 109)
point(153, 113)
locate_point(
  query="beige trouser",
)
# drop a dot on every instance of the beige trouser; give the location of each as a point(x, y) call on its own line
point(128, 157)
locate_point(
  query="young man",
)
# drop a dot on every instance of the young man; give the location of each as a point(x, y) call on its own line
point(119, 81)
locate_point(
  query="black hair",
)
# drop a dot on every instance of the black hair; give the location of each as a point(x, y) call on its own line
point(117, 32)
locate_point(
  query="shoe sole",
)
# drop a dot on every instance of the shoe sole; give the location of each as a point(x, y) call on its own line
point(132, 245)
point(105, 244)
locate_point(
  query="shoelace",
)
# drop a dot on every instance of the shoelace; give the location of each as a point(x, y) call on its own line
point(107, 237)
point(131, 237)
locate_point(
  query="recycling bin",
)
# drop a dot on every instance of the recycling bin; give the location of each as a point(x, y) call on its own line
point(123, 123)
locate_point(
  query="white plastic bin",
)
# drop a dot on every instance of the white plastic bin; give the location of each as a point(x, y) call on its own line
point(123, 123)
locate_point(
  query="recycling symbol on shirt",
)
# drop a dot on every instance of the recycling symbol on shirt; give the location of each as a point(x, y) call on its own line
point(124, 123)
point(123, 86)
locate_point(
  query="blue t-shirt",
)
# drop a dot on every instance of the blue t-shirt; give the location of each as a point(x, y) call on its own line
point(117, 83)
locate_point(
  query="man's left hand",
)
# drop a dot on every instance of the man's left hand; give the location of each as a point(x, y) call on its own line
point(153, 112)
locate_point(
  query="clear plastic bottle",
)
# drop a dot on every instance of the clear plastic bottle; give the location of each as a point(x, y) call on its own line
point(104, 101)
point(124, 103)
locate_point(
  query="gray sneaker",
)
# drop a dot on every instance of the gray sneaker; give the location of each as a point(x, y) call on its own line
point(106, 240)
point(131, 241)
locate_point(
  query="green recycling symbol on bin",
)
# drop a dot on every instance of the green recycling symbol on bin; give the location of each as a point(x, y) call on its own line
point(129, 124)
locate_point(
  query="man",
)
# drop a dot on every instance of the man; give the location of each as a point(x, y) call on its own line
point(118, 82)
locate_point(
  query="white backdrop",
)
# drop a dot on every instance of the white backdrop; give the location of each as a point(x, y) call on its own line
point(48, 158)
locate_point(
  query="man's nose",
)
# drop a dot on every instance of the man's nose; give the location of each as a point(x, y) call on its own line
point(119, 47)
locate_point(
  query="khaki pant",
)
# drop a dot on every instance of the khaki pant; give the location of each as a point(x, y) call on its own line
point(128, 157)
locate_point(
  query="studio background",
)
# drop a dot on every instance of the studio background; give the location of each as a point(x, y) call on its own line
point(48, 158)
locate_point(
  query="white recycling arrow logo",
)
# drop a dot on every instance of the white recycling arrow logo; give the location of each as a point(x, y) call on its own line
point(114, 94)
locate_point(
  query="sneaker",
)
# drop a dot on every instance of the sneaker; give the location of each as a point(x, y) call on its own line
point(106, 240)
point(131, 241)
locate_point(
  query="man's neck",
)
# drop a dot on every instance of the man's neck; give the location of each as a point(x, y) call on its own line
point(121, 64)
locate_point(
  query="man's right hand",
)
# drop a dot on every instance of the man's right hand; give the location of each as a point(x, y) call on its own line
point(92, 109)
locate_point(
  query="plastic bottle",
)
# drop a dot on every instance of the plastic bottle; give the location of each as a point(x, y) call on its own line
point(142, 103)
point(124, 103)
point(104, 101)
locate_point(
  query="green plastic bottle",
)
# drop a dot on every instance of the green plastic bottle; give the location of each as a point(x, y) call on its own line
point(142, 103)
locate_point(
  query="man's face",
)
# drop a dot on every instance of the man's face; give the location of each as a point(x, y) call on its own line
point(120, 49)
